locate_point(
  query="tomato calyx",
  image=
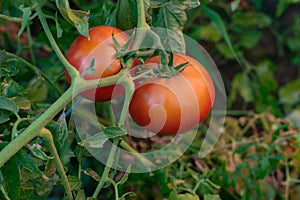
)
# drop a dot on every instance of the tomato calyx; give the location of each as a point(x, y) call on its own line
point(144, 73)
point(124, 53)
point(179, 68)
point(168, 71)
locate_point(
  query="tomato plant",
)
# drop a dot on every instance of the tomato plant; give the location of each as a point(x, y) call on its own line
point(98, 51)
point(170, 105)
point(48, 141)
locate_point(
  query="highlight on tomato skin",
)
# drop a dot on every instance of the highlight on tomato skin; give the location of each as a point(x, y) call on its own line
point(99, 47)
point(175, 104)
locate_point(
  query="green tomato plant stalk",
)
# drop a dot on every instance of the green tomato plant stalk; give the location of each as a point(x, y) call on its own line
point(37, 128)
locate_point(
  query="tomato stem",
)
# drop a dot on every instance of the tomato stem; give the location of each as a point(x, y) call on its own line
point(108, 165)
point(71, 70)
point(141, 23)
point(143, 29)
point(129, 90)
point(46, 134)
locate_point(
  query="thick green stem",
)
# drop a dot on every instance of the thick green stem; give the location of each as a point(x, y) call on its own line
point(33, 130)
point(142, 26)
point(129, 88)
point(141, 14)
point(46, 134)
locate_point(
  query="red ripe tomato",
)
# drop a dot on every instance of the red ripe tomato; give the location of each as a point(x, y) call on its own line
point(101, 48)
point(176, 104)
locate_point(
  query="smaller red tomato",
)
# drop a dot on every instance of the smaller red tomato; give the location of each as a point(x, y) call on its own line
point(101, 49)
point(176, 104)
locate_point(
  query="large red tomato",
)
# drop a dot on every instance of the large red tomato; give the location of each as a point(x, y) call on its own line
point(176, 104)
point(101, 48)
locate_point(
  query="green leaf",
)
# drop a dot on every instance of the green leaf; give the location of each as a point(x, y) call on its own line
point(159, 3)
point(11, 178)
point(26, 14)
point(50, 168)
point(207, 32)
point(37, 152)
point(91, 198)
point(3, 56)
point(126, 14)
point(250, 39)
point(264, 100)
point(212, 197)
point(264, 71)
point(80, 195)
point(293, 44)
point(281, 7)
point(278, 130)
point(224, 49)
point(10, 88)
point(59, 31)
point(242, 148)
point(234, 5)
point(245, 89)
point(43, 187)
point(172, 17)
point(29, 193)
point(264, 168)
point(215, 18)
point(8, 70)
point(114, 131)
point(22, 103)
point(250, 19)
point(257, 4)
point(112, 19)
point(3, 117)
point(97, 140)
point(289, 94)
point(295, 117)
point(292, 1)
point(37, 90)
point(27, 162)
point(63, 144)
point(75, 183)
point(242, 84)
point(77, 18)
point(173, 195)
point(190, 4)
point(7, 104)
